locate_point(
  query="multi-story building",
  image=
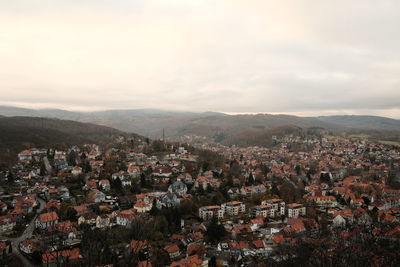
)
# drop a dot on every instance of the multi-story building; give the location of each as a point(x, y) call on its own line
point(263, 210)
point(328, 201)
point(207, 212)
point(278, 205)
point(233, 208)
point(295, 210)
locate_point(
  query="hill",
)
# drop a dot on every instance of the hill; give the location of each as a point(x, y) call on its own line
point(363, 122)
point(18, 133)
point(250, 129)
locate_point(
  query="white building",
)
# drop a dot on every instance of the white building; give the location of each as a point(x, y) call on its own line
point(233, 208)
point(207, 212)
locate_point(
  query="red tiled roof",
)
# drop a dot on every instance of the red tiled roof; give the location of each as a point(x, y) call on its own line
point(278, 238)
point(72, 254)
point(171, 248)
point(192, 261)
point(48, 217)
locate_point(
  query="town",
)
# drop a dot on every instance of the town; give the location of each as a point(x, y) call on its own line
point(141, 202)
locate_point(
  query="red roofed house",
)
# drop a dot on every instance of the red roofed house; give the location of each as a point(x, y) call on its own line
point(253, 190)
point(142, 207)
point(173, 251)
point(140, 247)
point(162, 171)
point(96, 196)
point(134, 171)
point(192, 261)
point(46, 219)
point(56, 257)
point(125, 217)
point(80, 210)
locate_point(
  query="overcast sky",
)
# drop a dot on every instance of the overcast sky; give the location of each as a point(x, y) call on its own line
point(299, 57)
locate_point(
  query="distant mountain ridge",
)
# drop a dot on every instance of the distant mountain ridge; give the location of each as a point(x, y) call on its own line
point(228, 129)
point(363, 122)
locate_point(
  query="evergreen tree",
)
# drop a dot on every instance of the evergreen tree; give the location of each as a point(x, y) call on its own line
point(42, 169)
point(215, 231)
point(143, 180)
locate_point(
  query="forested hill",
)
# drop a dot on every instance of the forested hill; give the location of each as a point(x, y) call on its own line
point(18, 133)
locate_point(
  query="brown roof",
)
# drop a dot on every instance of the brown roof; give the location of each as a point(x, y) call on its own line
point(48, 217)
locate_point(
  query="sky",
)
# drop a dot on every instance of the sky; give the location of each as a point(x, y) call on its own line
point(303, 57)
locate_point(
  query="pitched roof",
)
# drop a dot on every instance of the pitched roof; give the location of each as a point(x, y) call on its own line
point(71, 254)
point(171, 248)
point(48, 217)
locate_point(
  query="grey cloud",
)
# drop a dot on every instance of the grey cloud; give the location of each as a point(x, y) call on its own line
point(230, 56)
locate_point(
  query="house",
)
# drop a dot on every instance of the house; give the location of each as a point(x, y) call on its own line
point(168, 200)
point(339, 221)
point(45, 220)
point(295, 210)
point(90, 185)
point(325, 201)
point(76, 171)
point(102, 221)
point(52, 193)
point(140, 247)
point(207, 212)
point(104, 184)
point(204, 182)
point(295, 226)
point(178, 188)
point(253, 190)
point(87, 218)
point(66, 230)
point(134, 171)
point(173, 251)
point(186, 178)
point(362, 217)
point(28, 246)
point(25, 204)
point(121, 175)
point(54, 258)
point(125, 217)
point(233, 208)
point(192, 261)
point(162, 171)
point(142, 207)
point(81, 209)
point(25, 156)
point(7, 223)
point(53, 205)
point(346, 214)
point(63, 192)
point(96, 196)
